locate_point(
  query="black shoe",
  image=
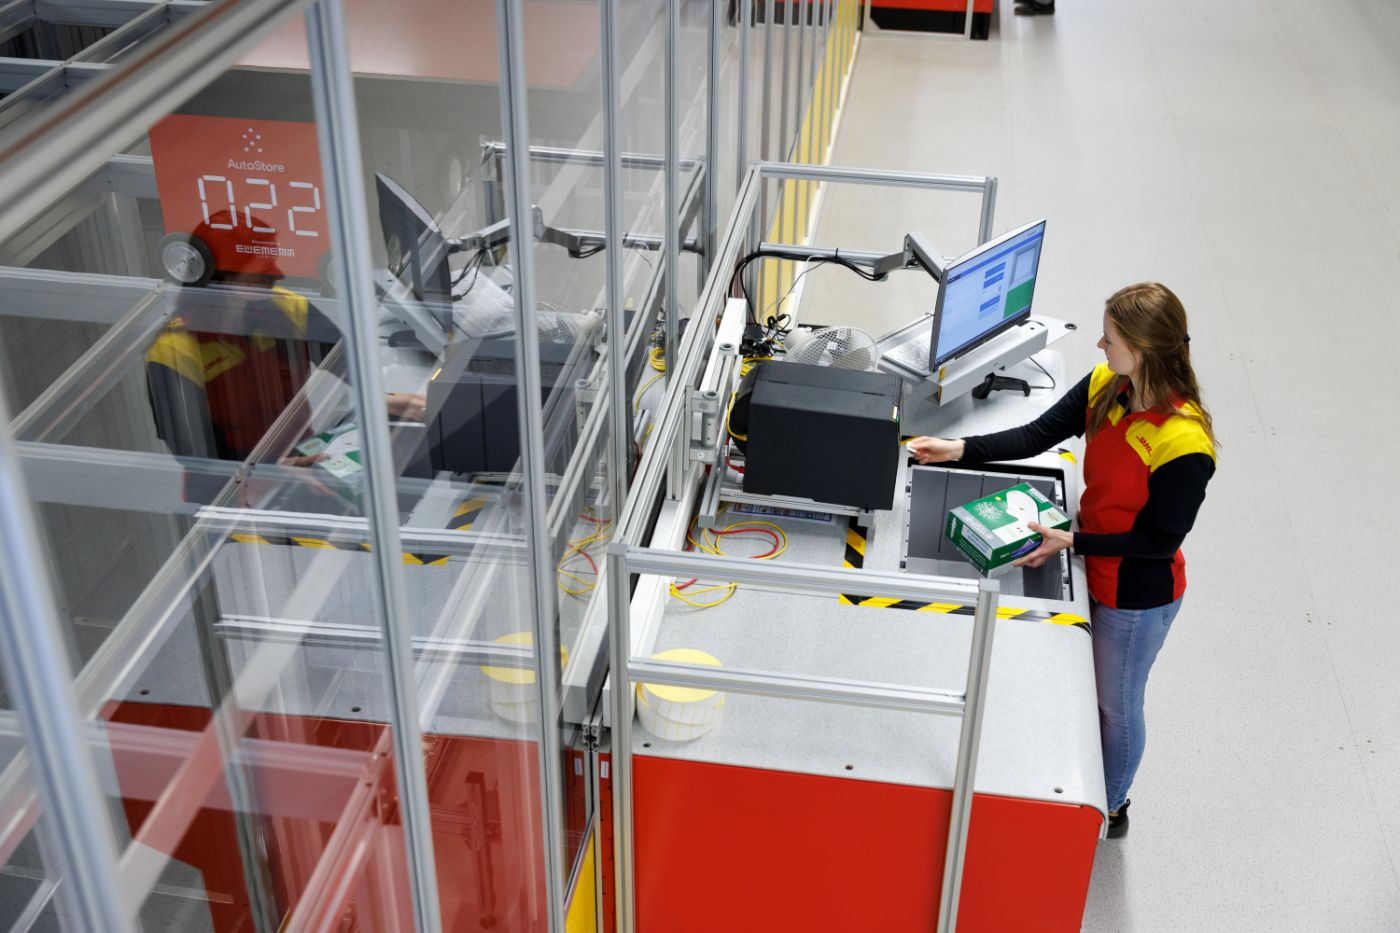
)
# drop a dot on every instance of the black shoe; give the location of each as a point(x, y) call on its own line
point(1118, 821)
point(1035, 8)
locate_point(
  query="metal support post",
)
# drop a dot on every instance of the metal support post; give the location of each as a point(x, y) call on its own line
point(612, 225)
point(833, 73)
point(960, 816)
point(989, 210)
point(765, 147)
point(515, 117)
point(784, 144)
point(228, 729)
point(745, 27)
point(620, 651)
point(711, 232)
point(339, 139)
point(812, 118)
point(38, 682)
point(672, 231)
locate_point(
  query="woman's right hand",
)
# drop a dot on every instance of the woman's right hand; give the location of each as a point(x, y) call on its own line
point(935, 449)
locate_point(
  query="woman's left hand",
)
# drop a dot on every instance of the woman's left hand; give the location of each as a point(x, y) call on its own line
point(1052, 542)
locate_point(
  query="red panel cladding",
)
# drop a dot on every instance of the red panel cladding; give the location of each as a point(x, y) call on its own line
point(727, 848)
point(485, 818)
point(606, 861)
point(486, 833)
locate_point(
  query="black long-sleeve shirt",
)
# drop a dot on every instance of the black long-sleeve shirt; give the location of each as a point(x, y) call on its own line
point(1145, 479)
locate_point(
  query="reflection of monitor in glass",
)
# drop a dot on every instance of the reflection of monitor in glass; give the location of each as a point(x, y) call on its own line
point(416, 249)
point(985, 292)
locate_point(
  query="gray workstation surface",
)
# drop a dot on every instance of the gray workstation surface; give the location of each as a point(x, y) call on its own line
point(1040, 738)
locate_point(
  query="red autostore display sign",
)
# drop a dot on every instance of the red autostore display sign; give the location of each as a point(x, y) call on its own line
point(249, 189)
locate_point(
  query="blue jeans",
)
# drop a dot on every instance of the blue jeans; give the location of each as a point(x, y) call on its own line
point(1126, 642)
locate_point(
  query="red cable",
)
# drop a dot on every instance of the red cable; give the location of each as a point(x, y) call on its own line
point(777, 542)
point(586, 556)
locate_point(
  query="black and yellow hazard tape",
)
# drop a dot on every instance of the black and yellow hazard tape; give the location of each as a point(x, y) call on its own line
point(466, 514)
point(462, 519)
point(857, 538)
point(427, 560)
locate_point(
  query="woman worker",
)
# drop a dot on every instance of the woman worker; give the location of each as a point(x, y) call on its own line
point(1149, 454)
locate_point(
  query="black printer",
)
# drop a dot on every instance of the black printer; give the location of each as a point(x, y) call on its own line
point(820, 432)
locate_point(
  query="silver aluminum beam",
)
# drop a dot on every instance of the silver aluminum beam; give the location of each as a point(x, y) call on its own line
point(45, 155)
point(343, 855)
point(800, 86)
point(105, 299)
point(809, 578)
point(765, 149)
point(162, 746)
point(101, 12)
point(650, 471)
point(870, 176)
point(347, 529)
point(15, 73)
point(802, 687)
point(153, 19)
point(132, 175)
point(989, 209)
point(148, 482)
point(783, 144)
point(979, 664)
point(617, 421)
point(711, 211)
point(745, 13)
point(15, 17)
point(510, 37)
point(426, 648)
point(59, 79)
point(671, 205)
point(72, 395)
point(332, 91)
point(809, 26)
point(619, 588)
point(62, 217)
point(560, 155)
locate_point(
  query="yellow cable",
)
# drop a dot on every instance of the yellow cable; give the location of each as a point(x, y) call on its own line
point(657, 357)
point(637, 402)
point(580, 546)
point(709, 543)
point(729, 413)
point(750, 362)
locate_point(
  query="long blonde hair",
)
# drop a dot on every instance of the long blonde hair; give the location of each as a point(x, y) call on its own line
point(1152, 322)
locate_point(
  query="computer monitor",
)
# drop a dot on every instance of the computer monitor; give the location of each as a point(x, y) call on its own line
point(985, 292)
point(416, 249)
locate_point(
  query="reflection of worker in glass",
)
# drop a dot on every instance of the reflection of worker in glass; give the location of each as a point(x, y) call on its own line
point(217, 394)
point(1150, 452)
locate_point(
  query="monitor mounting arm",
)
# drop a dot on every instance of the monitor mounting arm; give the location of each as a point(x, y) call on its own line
point(578, 243)
point(917, 253)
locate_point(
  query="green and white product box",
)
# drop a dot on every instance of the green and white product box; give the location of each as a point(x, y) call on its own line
point(341, 449)
point(995, 530)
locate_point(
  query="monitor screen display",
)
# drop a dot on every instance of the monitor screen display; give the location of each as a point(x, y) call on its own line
point(985, 292)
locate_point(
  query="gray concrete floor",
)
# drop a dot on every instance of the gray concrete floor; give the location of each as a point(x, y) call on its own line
point(1246, 154)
